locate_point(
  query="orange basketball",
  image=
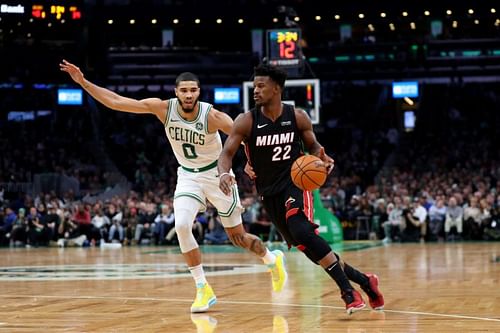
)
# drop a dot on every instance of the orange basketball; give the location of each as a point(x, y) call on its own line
point(308, 172)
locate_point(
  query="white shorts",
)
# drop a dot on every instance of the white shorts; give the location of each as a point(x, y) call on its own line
point(205, 185)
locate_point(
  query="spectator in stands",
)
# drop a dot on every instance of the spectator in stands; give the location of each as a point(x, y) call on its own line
point(52, 221)
point(393, 225)
point(8, 221)
point(379, 216)
point(472, 219)
point(437, 214)
point(81, 217)
point(492, 229)
point(19, 233)
point(146, 225)
point(116, 227)
point(130, 222)
point(100, 225)
point(415, 223)
point(37, 231)
point(454, 218)
point(164, 222)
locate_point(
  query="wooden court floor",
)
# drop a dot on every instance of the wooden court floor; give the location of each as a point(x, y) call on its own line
point(428, 288)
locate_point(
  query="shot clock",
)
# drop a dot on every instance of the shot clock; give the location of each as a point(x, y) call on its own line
point(283, 47)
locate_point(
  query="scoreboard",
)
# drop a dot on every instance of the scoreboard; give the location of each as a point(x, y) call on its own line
point(283, 47)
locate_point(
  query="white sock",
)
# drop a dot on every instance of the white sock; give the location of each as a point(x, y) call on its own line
point(198, 275)
point(269, 258)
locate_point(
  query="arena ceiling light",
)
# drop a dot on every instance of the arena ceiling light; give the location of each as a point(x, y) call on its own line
point(317, 18)
point(175, 21)
point(470, 11)
point(383, 14)
point(427, 13)
point(337, 17)
point(493, 10)
point(219, 21)
point(449, 12)
point(405, 13)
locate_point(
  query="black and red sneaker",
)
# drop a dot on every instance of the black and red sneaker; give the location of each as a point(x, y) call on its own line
point(353, 301)
point(374, 295)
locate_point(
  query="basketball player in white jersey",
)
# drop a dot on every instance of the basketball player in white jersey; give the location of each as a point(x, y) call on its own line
point(192, 129)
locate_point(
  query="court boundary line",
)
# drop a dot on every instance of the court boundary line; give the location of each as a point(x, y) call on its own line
point(184, 300)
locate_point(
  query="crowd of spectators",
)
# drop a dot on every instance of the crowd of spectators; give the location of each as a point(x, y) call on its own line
point(423, 186)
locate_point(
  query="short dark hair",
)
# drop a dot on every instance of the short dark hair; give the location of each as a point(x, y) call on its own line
point(187, 76)
point(275, 73)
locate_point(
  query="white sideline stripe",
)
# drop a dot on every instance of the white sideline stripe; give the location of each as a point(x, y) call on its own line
point(184, 300)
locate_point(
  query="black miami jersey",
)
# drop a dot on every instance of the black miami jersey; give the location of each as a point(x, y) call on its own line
point(272, 148)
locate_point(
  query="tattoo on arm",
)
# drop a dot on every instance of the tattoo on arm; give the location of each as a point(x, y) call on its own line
point(257, 247)
point(238, 240)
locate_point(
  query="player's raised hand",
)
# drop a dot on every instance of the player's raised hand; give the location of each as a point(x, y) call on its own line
point(75, 72)
point(329, 162)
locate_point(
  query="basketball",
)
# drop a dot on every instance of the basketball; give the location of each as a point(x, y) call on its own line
point(308, 172)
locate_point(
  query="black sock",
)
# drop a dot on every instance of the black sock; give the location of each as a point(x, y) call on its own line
point(336, 272)
point(355, 275)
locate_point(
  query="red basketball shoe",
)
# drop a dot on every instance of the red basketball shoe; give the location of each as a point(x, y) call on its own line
point(374, 295)
point(353, 301)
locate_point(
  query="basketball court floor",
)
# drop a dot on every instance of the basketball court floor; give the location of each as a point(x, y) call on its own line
point(428, 288)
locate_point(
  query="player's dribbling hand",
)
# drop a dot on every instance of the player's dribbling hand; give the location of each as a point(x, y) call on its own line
point(226, 182)
point(75, 72)
point(329, 162)
point(249, 171)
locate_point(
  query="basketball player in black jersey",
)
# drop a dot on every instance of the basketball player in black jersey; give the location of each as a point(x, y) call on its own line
point(274, 135)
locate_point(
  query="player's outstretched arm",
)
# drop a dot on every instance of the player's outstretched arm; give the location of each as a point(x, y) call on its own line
point(109, 98)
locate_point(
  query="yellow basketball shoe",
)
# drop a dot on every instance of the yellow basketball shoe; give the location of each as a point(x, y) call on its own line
point(204, 323)
point(280, 325)
point(278, 271)
point(205, 298)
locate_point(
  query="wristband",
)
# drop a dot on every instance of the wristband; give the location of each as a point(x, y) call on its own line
point(224, 173)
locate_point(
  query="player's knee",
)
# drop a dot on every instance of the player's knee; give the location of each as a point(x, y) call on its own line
point(183, 229)
point(304, 234)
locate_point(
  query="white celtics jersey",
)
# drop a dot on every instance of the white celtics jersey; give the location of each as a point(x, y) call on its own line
point(193, 146)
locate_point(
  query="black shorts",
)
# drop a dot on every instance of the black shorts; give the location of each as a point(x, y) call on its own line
point(289, 202)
